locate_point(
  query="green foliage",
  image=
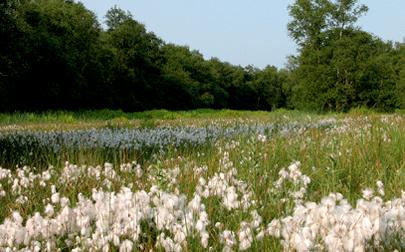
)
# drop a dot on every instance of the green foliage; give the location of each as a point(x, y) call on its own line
point(134, 66)
point(400, 68)
point(116, 17)
point(309, 21)
point(268, 84)
point(340, 67)
point(55, 55)
point(54, 47)
point(344, 13)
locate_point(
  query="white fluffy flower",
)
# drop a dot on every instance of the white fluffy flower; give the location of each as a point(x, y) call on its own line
point(49, 210)
point(126, 246)
point(368, 193)
point(380, 188)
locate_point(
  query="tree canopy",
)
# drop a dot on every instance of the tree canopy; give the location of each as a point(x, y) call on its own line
point(54, 54)
point(339, 66)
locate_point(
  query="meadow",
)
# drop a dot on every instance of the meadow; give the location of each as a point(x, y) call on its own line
point(202, 180)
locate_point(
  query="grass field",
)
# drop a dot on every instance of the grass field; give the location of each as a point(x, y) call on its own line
point(204, 179)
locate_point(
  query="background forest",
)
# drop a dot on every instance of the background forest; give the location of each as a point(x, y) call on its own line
point(54, 54)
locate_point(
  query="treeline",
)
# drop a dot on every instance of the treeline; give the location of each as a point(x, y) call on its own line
point(55, 55)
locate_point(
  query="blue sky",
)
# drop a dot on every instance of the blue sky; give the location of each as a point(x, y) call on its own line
point(239, 31)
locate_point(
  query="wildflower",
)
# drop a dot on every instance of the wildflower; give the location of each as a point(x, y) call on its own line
point(126, 246)
point(368, 193)
point(245, 236)
point(380, 187)
point(227, 237)
point(261, 138)
point(49, 210)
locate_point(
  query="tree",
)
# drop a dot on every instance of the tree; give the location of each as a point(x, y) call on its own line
point(339, 65)
point(180, 88)
point(309, 21)
point(13, 47)
point(357, 70)
point(312, 18)
point(400, 68)
point(344, 13)
point(54, 55)
point(54, 44)
point(269, 91)
point(136, 63)
point(116, 17)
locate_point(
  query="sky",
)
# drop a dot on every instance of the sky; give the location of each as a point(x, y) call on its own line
point(241, 32)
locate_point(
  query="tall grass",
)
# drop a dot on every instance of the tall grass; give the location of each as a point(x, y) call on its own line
point(349, 154)
point(105, 115)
